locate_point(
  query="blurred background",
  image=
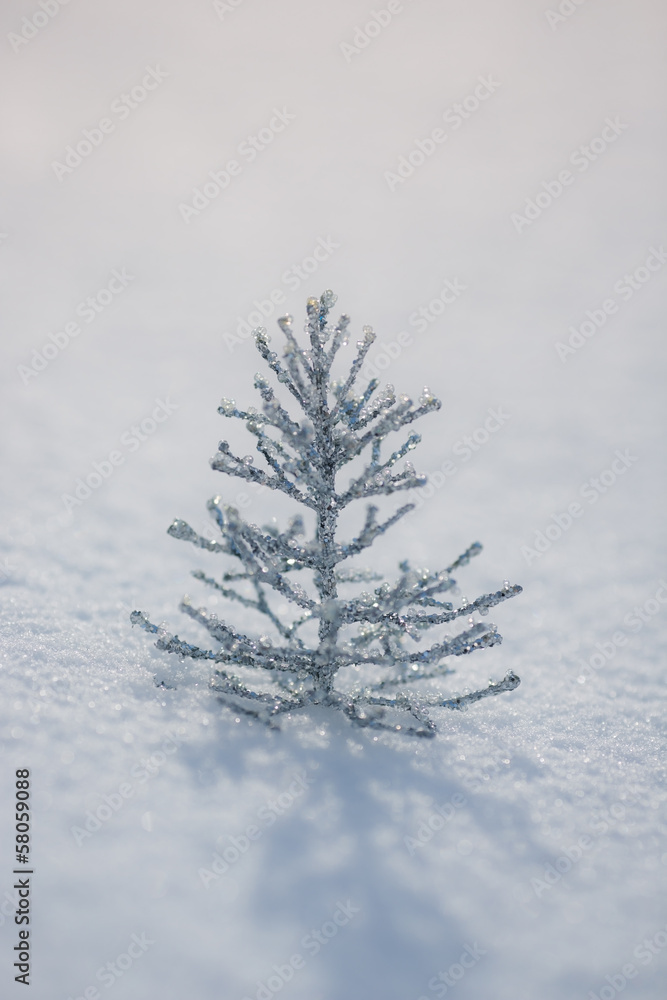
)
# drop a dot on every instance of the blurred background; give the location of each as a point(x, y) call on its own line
point(347, 190)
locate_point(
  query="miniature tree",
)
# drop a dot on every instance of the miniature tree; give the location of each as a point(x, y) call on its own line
point(378, 634)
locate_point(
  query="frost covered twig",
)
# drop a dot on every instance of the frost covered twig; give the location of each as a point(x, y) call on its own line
point(379, 633)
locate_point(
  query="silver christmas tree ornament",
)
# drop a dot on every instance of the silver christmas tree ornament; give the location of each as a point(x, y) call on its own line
point(375, 639)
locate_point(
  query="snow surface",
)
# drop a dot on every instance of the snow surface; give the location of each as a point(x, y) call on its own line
point(564, 757)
